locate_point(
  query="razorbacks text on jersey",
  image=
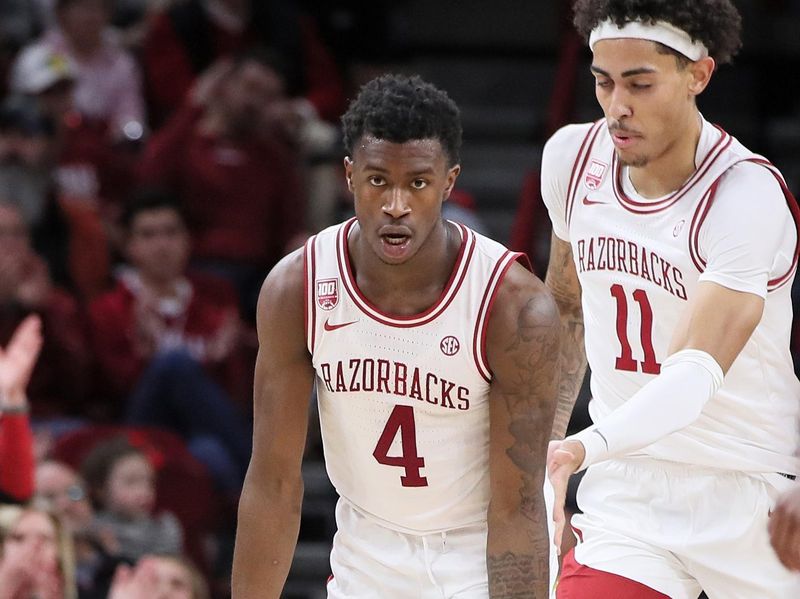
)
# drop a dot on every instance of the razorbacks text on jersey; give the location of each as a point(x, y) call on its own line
point(403, 400)
point(639, 261)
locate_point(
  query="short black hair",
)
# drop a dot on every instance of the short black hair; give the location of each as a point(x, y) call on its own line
point(148, 199)
point(715, 23)
point(399, 108)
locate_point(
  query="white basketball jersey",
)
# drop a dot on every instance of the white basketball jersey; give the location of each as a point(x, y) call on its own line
point(403, 400)
point(639, 260)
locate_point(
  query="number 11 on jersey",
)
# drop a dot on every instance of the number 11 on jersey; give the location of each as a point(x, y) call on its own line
point(625, 360)
point(402, 420)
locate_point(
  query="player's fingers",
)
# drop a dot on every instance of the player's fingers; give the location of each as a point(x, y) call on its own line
point(784, 536)
point(551, 448)
point(558, 532)
point(560, 496)
point(788, 552)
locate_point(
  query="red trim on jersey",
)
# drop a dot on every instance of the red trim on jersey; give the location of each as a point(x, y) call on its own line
point(482, 321)
point(574, 182)
point(698, 218)
point(457, 276)
point(578, 533)
point(705, 205)
point(791, 201)
point(651, 207)
point(577, 581)
point(478, 355)
point(306, 287)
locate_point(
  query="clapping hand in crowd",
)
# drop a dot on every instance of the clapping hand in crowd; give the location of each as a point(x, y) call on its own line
point(29, 572)
point(17, 360)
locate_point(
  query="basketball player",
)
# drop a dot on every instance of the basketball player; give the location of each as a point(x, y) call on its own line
point(433, 352)
point(675, 246)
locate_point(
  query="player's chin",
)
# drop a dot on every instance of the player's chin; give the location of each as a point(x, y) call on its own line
point(631, 159)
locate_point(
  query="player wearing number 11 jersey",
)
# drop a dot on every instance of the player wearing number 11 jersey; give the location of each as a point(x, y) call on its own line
point(433, 351)
point(677, 246)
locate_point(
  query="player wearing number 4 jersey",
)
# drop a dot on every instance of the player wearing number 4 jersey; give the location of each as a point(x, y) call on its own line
point(433, 351)
point(675, 247)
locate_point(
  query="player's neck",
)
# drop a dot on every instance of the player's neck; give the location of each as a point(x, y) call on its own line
point(670, 170)
point(413, 287)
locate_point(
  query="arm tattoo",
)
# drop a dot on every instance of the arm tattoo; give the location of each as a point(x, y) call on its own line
point(533, 349)
point(563, 283)
point(515, 576)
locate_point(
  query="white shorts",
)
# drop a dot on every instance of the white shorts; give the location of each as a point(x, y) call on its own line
point(680, 529)
point(370, 561)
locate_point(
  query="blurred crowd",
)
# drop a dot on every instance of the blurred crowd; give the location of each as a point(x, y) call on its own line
point(157, 158)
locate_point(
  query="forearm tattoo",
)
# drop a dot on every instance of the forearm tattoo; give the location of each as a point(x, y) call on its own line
point(533, 349)
point(563, 283)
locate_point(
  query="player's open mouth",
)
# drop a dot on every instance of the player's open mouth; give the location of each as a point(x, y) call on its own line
point(395, 241)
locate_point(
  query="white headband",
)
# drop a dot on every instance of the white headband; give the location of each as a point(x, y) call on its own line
point(661, 32)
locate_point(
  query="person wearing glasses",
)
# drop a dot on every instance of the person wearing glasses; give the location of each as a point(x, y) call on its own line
point(61, 489)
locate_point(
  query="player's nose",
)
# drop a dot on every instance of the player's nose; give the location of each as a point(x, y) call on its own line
point(619, 105)
point(396, 203)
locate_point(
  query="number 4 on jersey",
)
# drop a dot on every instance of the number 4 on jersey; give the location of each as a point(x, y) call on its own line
point(402, 420)
point(625, 361)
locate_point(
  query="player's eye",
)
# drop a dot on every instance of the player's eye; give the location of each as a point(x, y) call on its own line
point(638, 86)
point(419, 184)
point(602, 83)
point(376, 180)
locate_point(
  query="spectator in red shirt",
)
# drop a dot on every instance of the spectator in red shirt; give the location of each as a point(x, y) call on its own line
point(226, 157)
point(92, 173)
point(186, 38)
point(168, 343)
point(59, 383)
point(67, 233)
point(17, 360)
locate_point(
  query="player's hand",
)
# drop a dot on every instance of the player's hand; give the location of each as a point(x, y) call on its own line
point(784, 529)
point(563, 459)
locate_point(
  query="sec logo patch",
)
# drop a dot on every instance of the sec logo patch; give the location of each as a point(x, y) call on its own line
point(449, 346)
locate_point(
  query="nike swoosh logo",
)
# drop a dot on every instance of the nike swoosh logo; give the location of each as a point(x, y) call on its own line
point(332, 327)
point(588, 202)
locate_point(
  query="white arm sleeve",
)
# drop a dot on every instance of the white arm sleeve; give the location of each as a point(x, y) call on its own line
point(558, 158)
point(671, 401)
point(749, 235)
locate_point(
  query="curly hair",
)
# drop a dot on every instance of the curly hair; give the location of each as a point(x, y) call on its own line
point(398, 109)
point(715, 23)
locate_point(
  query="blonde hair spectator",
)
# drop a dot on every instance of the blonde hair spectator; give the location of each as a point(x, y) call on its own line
point(36, 532)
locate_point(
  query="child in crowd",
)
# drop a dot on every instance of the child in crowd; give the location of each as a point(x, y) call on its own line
point(122, 486)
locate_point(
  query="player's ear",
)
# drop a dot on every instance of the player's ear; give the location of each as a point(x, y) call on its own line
point(452, 175)
point(700, 72)
point(348, 172)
